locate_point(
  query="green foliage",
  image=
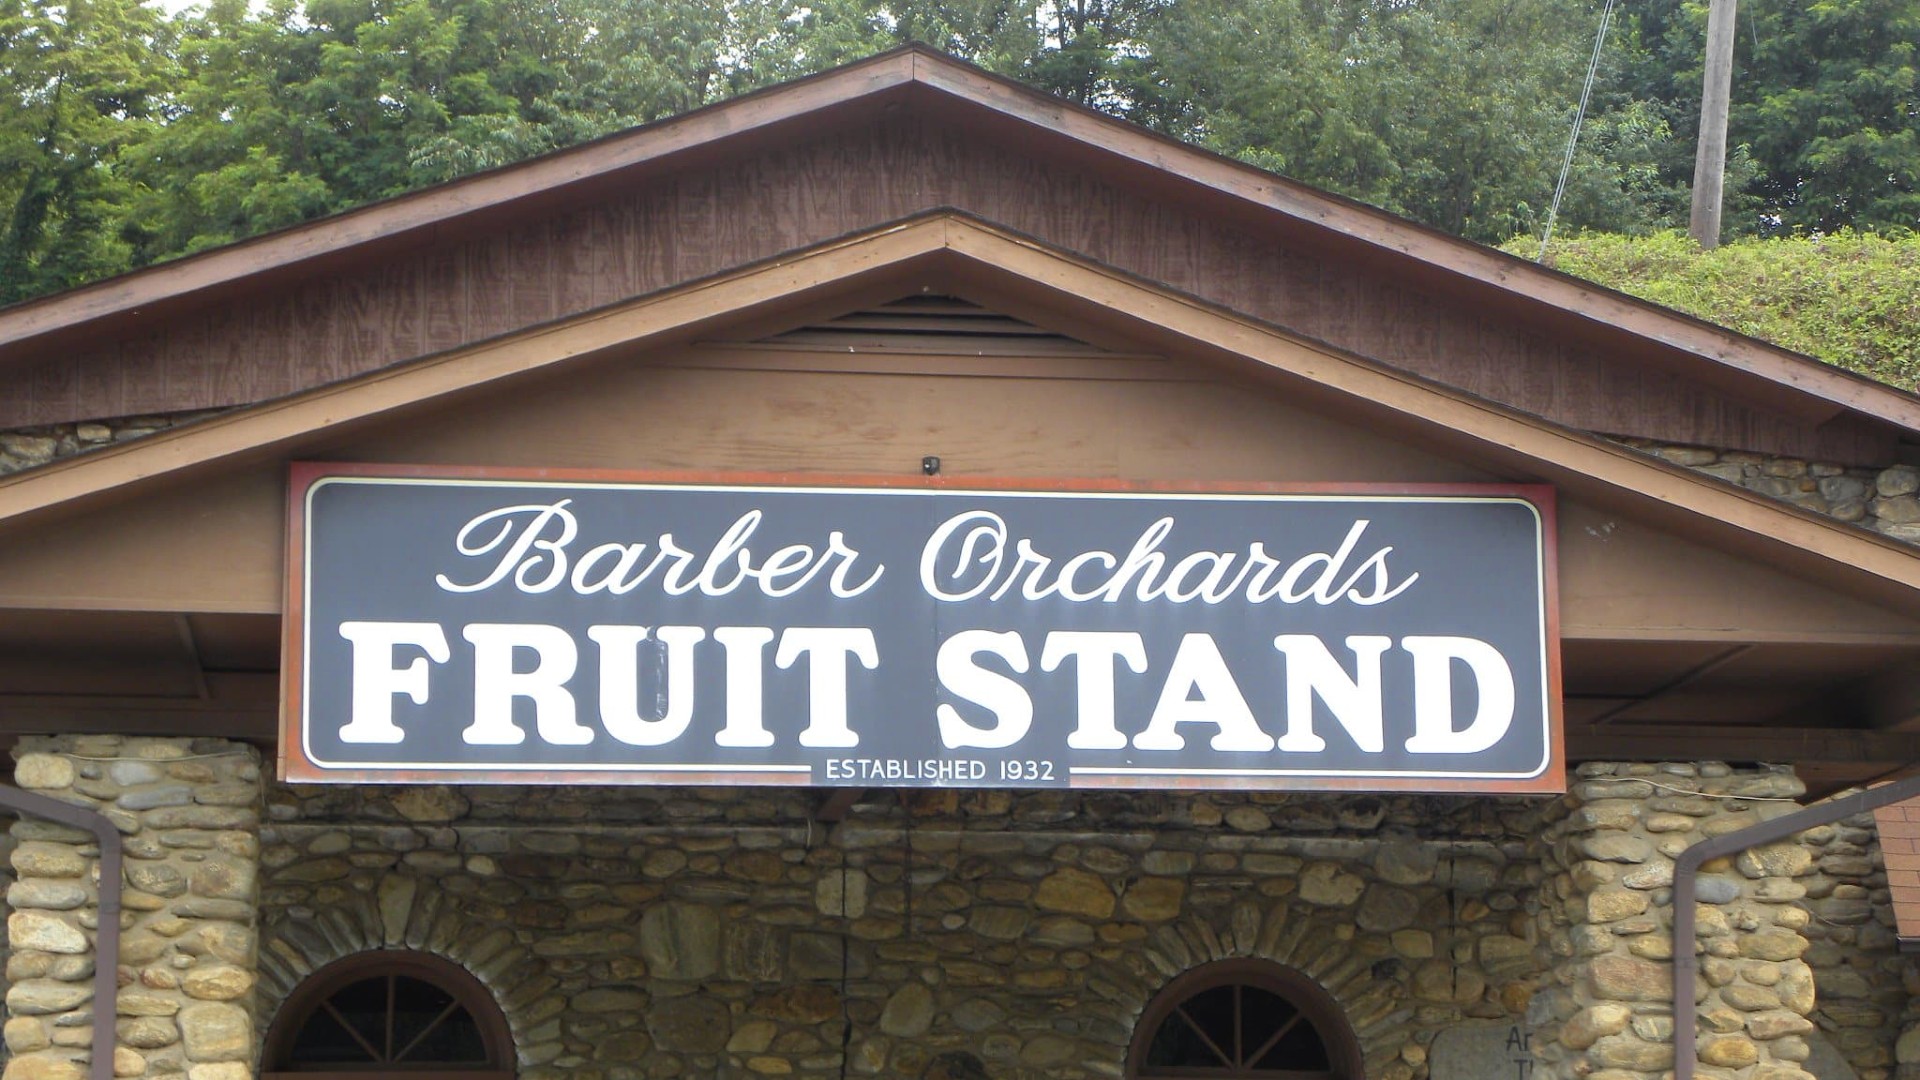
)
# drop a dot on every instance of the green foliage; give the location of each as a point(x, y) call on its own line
point(81, 81)
point(1452, 112)
point(1825, 120)
point(299, 110)
point(128, 137)
point(1851, 299)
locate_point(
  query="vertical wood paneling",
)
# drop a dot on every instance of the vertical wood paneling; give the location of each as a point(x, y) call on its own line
point(467, 287)
point(95, 385)
point(530, 274)
point(443, 300)
point(274, 348)
point(143, 374)
point(318, 353)
point(51, 388)
point(574, 239)
point(186, 361)
point(611, 252)
point(489, 287)
point(229, 366)
point(653, 249)
point(394, 316)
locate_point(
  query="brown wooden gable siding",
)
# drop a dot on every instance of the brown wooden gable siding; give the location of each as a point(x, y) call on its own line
point(698, 222)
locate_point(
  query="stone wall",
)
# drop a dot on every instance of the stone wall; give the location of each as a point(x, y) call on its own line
point(188, 812)
point(1884, 500)
point(641, 932)
point(25, 448)
point(1606, 919)
point(1861, 975)
point(644, 932)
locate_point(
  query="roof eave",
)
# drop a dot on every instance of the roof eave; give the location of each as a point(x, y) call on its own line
point(1795, 384)
point(967, 249)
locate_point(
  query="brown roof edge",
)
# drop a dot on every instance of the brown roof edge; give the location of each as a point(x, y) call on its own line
point(25, 323)
point(1402, 238)
point(1688, 339)
point(969, 252)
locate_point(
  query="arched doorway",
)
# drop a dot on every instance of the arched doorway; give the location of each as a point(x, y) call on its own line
point(386, 1012)
point(1243, 1020)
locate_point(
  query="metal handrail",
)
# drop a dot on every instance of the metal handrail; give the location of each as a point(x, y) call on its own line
point(1686, 968)
point(106, 940)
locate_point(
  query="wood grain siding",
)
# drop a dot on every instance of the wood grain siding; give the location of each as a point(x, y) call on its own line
point(776, 411)
point(478, 283)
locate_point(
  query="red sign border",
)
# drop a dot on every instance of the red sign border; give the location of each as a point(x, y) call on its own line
point(295, 767)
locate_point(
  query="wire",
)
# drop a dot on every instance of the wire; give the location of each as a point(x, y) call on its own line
point(157, 761)
point(1685, 791)
point(1573, 137)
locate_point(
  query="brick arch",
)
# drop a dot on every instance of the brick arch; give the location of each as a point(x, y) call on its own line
point(400, 911)
point(1373, 1003)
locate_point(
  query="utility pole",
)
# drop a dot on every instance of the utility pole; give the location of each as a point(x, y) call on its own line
point(1710, 153)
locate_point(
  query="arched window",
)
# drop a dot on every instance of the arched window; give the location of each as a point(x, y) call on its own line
point(385, 1012)
point(1243, 1020)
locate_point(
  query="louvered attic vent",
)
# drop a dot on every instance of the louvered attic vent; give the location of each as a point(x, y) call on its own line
point(946, 325)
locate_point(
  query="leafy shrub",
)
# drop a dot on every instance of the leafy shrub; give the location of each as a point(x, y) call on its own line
point(1851, 299)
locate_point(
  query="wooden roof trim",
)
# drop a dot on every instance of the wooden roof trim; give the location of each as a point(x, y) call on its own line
point(1564, 454)
point(257, 429)
point(389, 218)
point(918, 66)
point(952, 244)
point(1838, 387)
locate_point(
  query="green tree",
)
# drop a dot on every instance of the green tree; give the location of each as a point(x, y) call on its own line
point(1453, 112)
point(80, 81)
point(301, 109)
point(1825, 119)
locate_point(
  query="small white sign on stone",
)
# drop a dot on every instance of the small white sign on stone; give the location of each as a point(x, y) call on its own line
point(1482, 1051)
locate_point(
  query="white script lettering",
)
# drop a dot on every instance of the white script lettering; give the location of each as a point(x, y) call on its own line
point(531, 545)
point(973, 552)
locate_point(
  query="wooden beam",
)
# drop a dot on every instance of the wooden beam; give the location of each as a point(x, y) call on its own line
point(1891, 699)
point(236, 706)
point(1556, 454)
point(1679, 742)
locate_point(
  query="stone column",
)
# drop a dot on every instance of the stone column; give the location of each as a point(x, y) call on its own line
point(189, 813)
point(1606, 913)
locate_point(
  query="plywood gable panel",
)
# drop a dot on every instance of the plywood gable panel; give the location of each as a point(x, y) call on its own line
point(468, 286)
point(216, 544)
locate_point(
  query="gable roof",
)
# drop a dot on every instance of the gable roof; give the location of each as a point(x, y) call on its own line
point(1024, 278)
point(920, 78)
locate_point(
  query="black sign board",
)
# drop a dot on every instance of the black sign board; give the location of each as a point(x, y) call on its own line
point(516, 627)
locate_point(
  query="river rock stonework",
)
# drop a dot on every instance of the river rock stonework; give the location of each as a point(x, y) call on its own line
point(188, 813)
point(25, 448)
point(1884, 500)
point(1606, 918)
point(635, 933)
point(647, 932)
point(1863, 982)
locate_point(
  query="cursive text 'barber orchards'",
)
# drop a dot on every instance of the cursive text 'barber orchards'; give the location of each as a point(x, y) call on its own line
point(971, 561)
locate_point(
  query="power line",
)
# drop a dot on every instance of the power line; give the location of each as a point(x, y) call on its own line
point(1573, 137)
